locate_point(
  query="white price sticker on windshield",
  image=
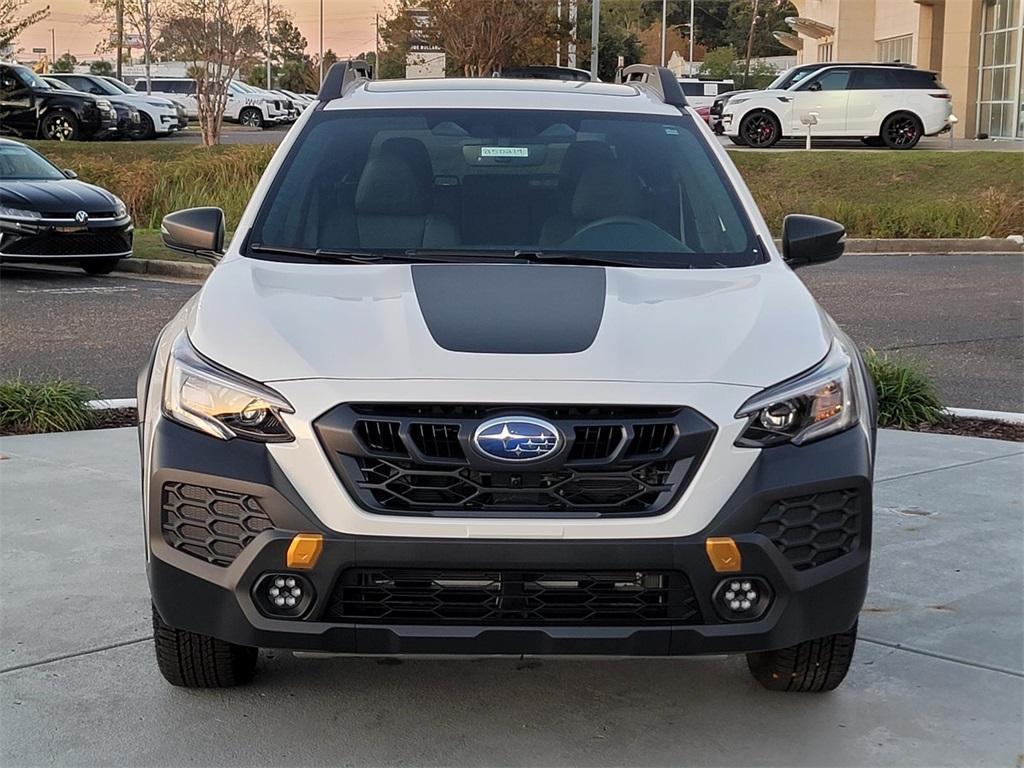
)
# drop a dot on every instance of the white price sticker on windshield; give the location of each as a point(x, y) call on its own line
point(504, 151)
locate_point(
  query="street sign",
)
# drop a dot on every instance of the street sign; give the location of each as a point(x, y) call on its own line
point(38, 50)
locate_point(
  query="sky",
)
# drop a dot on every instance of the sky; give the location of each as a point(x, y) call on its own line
point(348, 25)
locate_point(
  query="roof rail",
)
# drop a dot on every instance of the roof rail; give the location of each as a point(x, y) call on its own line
point(340, 78)
point(660, 80)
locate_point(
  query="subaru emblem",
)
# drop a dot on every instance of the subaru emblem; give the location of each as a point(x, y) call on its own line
point(81, 217)
point(517, 439)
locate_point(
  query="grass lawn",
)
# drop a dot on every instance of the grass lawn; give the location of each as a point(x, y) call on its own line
point(148, 246)
point(919, 193)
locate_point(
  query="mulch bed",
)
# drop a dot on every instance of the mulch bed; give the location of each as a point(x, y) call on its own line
point(960, 425)
point(951, 425)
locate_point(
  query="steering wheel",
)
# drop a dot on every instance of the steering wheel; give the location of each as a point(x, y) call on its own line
point(632, 231)
point(607, 221)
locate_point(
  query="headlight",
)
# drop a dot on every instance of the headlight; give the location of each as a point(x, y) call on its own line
point(736, 100)
point(104, 104)
point(156, 104)
point(220, 403)
point(120, 209)
point(18, 213)
point(825, 400)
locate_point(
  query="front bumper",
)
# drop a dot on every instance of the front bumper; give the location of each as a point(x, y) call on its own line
point(58, 239)
point(198, 595)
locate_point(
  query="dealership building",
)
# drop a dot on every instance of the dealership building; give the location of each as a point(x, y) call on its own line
point(974, 45)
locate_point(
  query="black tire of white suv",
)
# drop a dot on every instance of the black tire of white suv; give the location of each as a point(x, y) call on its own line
point(191, 660)
point(901, 130)
point(760, 129)
point(813, 666)
point(251, 117)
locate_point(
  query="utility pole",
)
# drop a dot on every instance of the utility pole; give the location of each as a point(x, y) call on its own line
point(558, 42)
point(571, 53)
point(691, 38)
point(321, 41)
point(147, 30)
point(376, 46)
point(53, 48)
point(268, 46)
point(119, 16)
point(595, 23)
point(664, 16)
point(750, 45)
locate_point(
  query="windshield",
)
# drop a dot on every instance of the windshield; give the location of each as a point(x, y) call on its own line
point(791, 77)
point(645, 188)
point(19, 162)
point(30, 78)
point(106, 87)
point(59, 85)
point(117, 85)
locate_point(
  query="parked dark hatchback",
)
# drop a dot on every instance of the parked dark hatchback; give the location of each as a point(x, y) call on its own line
point(46, 214)
point(31, 109)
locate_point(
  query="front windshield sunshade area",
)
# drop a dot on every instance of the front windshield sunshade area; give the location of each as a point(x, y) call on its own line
point(642, 187)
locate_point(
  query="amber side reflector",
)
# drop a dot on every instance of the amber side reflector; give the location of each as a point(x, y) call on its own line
point(724, 555)
point(305, 550)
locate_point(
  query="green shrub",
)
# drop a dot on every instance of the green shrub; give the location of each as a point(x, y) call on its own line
point(906, 395)
point(53, 405)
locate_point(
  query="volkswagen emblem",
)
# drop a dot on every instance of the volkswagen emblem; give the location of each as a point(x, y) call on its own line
point(81, 217)
point(517, 438)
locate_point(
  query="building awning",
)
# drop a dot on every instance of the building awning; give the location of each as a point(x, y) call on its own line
point(791, 41)
point(809, 27)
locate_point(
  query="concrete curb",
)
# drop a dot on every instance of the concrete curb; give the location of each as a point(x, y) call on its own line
point(191, 270)
point(970, 413)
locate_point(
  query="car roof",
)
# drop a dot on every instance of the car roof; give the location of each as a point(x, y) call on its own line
point(503, 93)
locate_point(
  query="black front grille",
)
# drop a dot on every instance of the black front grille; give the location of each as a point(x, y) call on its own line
point(420, 460)
point(493, 596)
point(68, 244)
point(812, 530)
point(208, 523)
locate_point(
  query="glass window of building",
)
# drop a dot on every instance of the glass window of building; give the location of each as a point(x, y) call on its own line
point(1000, 90)
point(824, 52)
point(895, 49)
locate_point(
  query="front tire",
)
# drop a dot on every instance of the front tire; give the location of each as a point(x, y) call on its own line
point(146, 130)
point(99, 266)
point(59, 126)
point(191, 660)
point(813, 666)
point(760, 130)
point(901, 130)
point(251, 117)
point(873, 141)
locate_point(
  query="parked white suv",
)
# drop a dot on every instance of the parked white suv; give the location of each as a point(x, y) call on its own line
point(887, 106)
point(157, 115)
point(505, 366)
point(242, 106)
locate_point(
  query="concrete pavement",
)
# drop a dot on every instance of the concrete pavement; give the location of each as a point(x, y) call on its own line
point(938, 678)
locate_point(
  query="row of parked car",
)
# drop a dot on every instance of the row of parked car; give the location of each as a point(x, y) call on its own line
point(77, 106)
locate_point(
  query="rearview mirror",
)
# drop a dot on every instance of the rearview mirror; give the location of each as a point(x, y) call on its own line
point(197, 231)
point(811, 240)
point(69, 173)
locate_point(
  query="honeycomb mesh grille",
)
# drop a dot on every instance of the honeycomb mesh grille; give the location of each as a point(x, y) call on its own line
point(812, 530)
point(415, 596)
point(208, 523)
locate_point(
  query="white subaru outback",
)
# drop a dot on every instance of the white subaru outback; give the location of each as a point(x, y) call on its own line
point(505, 367)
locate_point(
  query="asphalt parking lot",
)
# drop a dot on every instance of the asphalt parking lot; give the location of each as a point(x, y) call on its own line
point(960, 316)
point(937, 679)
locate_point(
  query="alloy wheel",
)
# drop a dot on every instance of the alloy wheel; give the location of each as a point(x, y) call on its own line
point(759, 131)
point(250, 119)
point(901, 131)
point(60, 129)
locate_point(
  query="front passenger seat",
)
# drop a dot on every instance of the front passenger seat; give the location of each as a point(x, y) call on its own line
point(394, 201)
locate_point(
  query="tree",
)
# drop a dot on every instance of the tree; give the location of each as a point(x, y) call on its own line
point(101, 68)
point(719, 63)
point(287, 46)
point(142, 18)
point(771, 17)
point(65, 63)
point(12, 23)
point(218, 38)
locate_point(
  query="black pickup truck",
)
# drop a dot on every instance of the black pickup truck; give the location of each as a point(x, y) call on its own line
point(32, 109)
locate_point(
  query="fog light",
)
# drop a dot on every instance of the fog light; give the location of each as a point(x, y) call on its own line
point(283, 594)
point(742, 598)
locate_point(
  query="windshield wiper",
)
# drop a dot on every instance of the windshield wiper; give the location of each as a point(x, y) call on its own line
point(327, 255)
point(578, 258)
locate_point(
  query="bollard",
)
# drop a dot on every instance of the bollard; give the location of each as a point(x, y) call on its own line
point(810, 119)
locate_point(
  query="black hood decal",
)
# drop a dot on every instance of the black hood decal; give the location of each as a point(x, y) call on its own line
point(511, 309)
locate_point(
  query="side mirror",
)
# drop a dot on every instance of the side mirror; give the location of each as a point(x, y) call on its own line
point(197, 231)
point(69, 173)
point(811, 240)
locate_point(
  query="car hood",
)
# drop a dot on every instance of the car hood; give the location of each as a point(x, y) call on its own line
point(270, 321)
point(56, 196)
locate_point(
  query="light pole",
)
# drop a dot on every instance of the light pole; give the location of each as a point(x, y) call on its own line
point(691, 37)
point(664, 13)
point(147, 29)
point(321, 41)
point(268, 45)
point(595, 22)
point(119, 16)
